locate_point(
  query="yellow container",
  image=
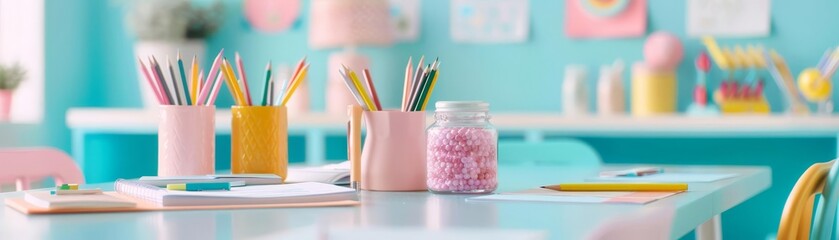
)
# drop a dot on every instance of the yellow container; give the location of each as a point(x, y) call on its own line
point(259, 140)
point(653, 92)
point(753, 106)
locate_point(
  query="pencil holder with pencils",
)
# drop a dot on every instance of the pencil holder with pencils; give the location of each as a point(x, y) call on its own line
point(394, 155)
point(186, 140)
point(393, 158)
point(259, 140)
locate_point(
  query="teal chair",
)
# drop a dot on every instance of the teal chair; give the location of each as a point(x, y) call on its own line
point(826, 212)
point(550, 152)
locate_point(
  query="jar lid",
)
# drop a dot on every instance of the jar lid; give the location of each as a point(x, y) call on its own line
point(461, 106)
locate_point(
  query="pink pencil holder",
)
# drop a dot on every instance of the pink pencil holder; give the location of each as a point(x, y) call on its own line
point(186, 138)
point(393, 158)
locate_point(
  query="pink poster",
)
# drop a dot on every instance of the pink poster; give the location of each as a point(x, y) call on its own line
point(605, 18)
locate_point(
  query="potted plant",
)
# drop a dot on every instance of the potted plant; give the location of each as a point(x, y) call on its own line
point(10, 79)
point(164, 27)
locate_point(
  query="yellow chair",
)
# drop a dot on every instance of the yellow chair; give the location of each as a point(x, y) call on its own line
point(798, 210)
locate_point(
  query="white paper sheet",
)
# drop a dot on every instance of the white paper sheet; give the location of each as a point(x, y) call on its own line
point(728, 18)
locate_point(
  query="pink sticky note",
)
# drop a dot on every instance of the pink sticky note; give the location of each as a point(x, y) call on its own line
point(631, 22)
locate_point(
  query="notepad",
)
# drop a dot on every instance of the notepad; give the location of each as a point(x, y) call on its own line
point(547, 195)
point(249, 179)
point(260, 194)
point(338, 173)
point(44, 199)
point(669, 178)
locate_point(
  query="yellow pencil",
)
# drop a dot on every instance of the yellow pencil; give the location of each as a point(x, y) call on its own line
point(361, 91)
point(430, 90)
point(233, 83)
point(195, 82)
point(294, 84)
point(620, 187)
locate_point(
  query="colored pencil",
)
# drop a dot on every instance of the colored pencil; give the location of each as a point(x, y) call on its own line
point(267, 83)
point(196, 81)
point(298, 68)
point(415, 84)
point(184, 82)
point(279, 95)
point(418, 89)
point(232, 83)
point(215, 88)
point(430, 89)
point(244, 78)
point(211, 75)
point(361, 91)
point(353, 91)
point(151, 83)
point(175, 81)
point(424, 92)
point(200, 80)
point(406, 87)
point(271, 92)
point(369, 79)
point(162, 79)
point(286, 84)
point(300, 78)
point(824, 60)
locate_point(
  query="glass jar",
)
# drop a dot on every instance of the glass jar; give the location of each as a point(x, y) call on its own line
point(462, 149)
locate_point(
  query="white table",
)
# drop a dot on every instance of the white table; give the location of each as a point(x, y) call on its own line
point(395, 210)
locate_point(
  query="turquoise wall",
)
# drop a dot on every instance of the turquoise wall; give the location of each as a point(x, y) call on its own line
point(90, 62)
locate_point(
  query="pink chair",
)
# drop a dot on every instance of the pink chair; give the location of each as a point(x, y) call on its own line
point(25, 165)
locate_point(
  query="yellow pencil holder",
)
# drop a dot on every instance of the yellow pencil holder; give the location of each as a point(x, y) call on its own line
point(259, 140)
point(652, 92)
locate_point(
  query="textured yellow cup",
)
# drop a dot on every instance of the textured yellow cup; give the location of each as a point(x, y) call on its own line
point(259, 140)
point(653, 92)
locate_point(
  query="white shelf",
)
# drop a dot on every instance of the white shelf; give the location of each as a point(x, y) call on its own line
point(114, 120)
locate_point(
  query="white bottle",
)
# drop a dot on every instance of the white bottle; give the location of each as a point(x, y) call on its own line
point(575, 91)
point(610, 91)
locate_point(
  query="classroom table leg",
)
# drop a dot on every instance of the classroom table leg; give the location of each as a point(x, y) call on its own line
point(315, 147)
point(710, 230)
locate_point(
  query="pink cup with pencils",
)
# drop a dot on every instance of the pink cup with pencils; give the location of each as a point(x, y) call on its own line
point(393, 158)
point(186, 127)
point(186, 140)
point(394, 155)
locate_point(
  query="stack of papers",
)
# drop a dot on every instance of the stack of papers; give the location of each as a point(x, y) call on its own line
point(309, 192)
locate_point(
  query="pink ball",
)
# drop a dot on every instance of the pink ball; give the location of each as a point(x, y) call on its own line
point(663, 51)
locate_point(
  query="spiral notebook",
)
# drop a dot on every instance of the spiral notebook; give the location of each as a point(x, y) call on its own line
point(308, 192)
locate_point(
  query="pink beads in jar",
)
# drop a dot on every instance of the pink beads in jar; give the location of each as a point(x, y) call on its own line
point(462, 149)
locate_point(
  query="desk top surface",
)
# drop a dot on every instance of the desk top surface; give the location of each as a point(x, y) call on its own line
point(405, 210)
